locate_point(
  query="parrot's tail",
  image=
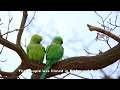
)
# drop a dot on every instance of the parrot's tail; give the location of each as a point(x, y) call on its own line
point(45, 72)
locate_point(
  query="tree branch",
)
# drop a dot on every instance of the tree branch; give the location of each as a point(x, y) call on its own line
point(21, 27)
point(113, 36)
point(82, 63)
point(18, 49)
point(8, 44)
point(74, 63)
point(9, 32)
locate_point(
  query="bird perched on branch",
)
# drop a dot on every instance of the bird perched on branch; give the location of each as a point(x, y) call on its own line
point(35, 49)
point(54, 53)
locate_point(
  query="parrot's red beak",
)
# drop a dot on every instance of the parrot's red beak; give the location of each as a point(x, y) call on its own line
point(61, 42)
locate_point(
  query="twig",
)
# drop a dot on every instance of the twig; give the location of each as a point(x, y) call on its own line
point(103, 20)
point(89, 52)
point(79, 76)
point(6, 33)
point(107, 16)
point(31, 19)
point(100, 52)
point(9, 26)
point(90, 74)
point(9, 32)
point(99, 16)
point(66, 75)
point(115, 22)
point(108, 44)
point(63, 76)
point(1, 49)
point(103, 72)
point(23, 76)
point(115, 69)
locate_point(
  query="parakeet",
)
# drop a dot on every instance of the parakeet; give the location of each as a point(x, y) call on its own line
point(35, 49)
point(54, 52)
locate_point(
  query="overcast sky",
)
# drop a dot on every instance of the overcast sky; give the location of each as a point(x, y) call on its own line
point(70, 25)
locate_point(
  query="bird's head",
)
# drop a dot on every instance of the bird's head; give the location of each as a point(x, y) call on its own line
point(36, 38)
point(58, 40)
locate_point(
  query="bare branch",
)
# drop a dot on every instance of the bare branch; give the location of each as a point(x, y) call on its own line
point(103, 72)
point(23, 76)
point(115, 69)
point(21, 27)
point(8, 44)
point(66, 75)
point(107, 16)
point(78, 76)
point(17, 48)
point(103, 20)
point(1, 49)
point(89, 52)
point(108, 43)
point(91, 75)
point(82, 63)
point(79, 63)
point(116, 19)
point(113, 36)
point(99, 16)
point(8, 26)
point(31, 19)
point(115, 25)
point(9, 32)
point(16, 73)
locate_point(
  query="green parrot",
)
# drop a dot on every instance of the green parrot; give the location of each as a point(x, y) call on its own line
point(35, 49)
point(54, 52)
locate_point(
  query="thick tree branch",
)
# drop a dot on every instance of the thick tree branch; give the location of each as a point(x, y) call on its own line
point(82, 63)
point(74, 63)
point(17, 48)
point(113, 36)
point(22, 27)
point(8, 44)
point(14, 74)
point(20, 52)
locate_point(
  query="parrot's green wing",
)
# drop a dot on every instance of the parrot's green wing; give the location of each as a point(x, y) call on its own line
point(54, 53)
point(35, 50)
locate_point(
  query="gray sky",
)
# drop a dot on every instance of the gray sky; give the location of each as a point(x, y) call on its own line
point(70, 25)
